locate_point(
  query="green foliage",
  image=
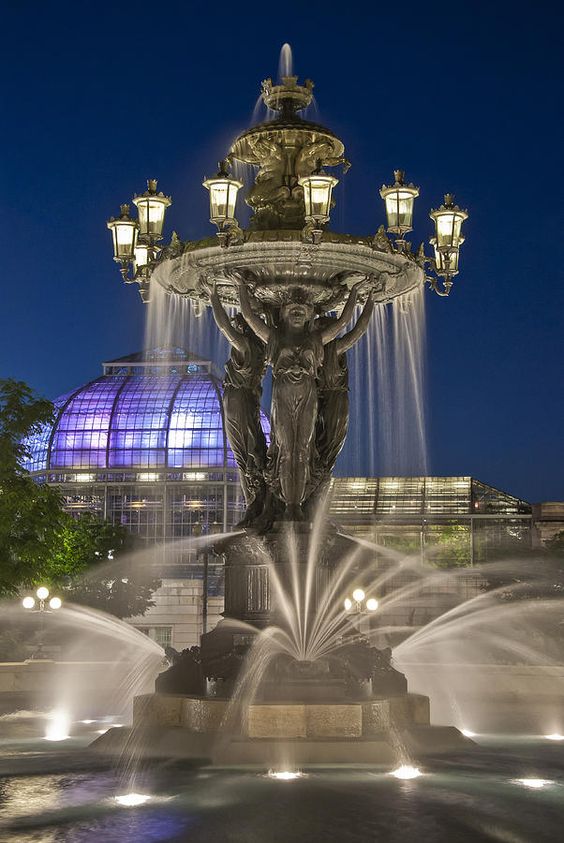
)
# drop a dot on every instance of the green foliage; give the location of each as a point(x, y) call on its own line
point(41, 543)
point(99, 564)
point(30, 515)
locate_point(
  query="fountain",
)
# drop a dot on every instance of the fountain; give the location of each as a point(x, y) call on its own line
point(287, 663)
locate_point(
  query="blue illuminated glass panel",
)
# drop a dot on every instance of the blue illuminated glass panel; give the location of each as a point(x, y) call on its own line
point(37, 445)
point(195, 438)
point(81, 437)
point(140, 421)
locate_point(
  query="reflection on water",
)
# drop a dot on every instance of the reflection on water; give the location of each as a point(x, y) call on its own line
point(511, 792)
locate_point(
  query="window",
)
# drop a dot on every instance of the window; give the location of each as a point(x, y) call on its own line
point(162, 635)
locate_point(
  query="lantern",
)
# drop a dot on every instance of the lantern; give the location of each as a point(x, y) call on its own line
point(124, 233)
point(399, 200)
point(448, 224)
point(318, 190)
point(151, 207)
point(223, 191)
point(446, 262)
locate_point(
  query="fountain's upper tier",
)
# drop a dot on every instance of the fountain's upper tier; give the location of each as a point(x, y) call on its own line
point(276, 253)
point(274, 263)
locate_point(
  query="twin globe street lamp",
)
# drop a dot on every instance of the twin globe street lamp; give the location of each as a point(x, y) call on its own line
point(40, 605)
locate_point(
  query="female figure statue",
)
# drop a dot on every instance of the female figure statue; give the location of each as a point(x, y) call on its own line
point(295, 353)
point(241, 406)
point(333, 391)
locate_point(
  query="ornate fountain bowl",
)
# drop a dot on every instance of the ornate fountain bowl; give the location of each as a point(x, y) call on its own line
point(272, 263)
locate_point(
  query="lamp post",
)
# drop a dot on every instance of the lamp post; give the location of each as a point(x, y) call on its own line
point(31, 604)
point(357, 604)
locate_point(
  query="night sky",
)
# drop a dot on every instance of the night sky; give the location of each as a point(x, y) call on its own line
point(465, 97)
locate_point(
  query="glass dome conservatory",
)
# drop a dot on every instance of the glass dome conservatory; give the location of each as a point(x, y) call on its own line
point(152, 412)
point(144, 445)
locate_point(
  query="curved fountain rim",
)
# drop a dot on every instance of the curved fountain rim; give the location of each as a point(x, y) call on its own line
point(283, 256)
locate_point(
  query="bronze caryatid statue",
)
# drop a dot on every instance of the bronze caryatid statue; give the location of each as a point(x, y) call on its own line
point(242, 390)
point(295, 344)
point(333, 394)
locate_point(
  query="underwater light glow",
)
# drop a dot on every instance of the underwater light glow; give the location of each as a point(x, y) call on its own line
point(131, 800)
point(406, 771)
point(535, 784)
point(58, 726)
point(285, 775)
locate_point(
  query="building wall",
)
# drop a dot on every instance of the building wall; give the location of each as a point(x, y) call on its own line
point(449, 522)
point(548, 520)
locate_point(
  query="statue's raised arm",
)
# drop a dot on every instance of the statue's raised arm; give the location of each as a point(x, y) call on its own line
point(332, 331)
point(348, 340)
point(260, 327)
point(225, 325)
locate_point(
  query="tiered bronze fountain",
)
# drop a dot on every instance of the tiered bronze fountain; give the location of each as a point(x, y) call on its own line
point(297, 287)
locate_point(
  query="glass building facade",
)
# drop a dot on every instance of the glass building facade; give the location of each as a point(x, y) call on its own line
point(450, 521)
point(144, 445)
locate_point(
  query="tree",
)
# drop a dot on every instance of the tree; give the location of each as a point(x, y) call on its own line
point(31, 515)
point(102, 565)
point(41, 543)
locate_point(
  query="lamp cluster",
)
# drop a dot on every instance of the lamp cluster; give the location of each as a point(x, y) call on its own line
point(135, 241)
point(399, 199)
point(359, 603)
point(42, 595)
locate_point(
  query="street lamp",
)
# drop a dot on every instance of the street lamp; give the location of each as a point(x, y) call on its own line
point(29, 603)
point(223, 190)
point(399, 199)
point(359, 603)
point(125, 232)
point(151, 207)
point(447, 241)
point(135, 241)
point(318, 192)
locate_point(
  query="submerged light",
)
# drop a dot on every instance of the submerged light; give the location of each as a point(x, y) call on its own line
point(131, 800)
point(285, 775)
point(406, 771)
point(534, 784)
point(58, 726)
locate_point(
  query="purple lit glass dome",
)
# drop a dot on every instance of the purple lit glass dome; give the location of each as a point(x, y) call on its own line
point(154, 410)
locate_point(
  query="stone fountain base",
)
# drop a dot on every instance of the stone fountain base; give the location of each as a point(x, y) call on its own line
point(370, 731)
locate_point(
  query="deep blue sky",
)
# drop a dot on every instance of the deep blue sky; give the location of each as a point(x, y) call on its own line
point(466, 97)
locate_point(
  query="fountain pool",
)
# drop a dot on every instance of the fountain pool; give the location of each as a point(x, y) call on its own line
point(507, 789)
